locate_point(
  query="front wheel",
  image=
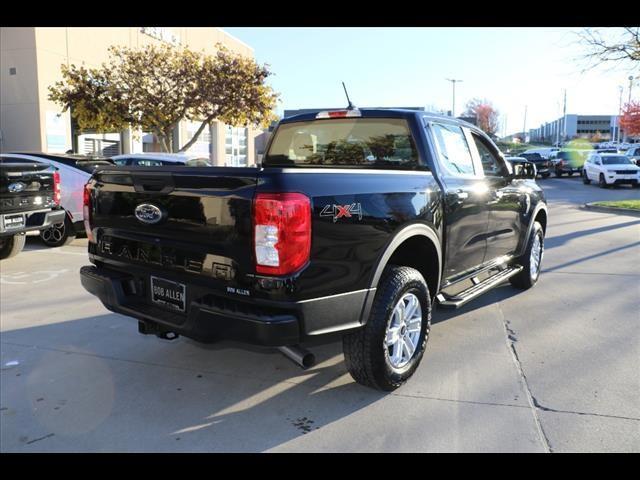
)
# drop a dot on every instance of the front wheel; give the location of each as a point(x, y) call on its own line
point(558, 173)
point(585, 178)
point(58, 234)
point(387, 350)
point(11, 246)
point(601, 181)
point(531, 260)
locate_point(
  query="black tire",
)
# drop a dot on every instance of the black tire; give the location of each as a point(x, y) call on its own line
point(571, 173)
point(585, 178)
point(11, 246)
point(545, 175)
point(365, 351)
point(59, 234)
point(525, 279)
point(602, 183)
point(558, 173)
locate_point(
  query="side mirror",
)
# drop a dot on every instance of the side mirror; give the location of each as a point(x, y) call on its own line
point(524, 170)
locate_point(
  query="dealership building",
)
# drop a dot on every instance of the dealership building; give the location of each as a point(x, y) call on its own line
point(576, 126)
point(30, 61)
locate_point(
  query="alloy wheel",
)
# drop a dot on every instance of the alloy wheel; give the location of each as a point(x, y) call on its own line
point(403, 331)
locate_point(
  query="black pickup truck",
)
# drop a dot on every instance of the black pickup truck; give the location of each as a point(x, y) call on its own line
point(29, 200)
point(353, 226)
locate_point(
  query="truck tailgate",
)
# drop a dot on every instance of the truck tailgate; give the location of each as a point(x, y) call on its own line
point(190, 219)
point(25, 186)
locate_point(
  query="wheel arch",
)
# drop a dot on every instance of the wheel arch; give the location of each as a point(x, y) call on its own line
point(416, 246)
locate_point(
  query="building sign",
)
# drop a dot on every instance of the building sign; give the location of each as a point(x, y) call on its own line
point(162, 33)
point(56, 129)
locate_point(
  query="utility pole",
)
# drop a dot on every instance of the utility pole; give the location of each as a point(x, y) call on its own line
point(621, 88)
point(453, 105)
point(564, 117)
point(524, 126)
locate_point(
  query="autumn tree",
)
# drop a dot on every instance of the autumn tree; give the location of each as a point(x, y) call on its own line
point(154, 88)
point(630, 119)
point(486, 116)
point(611, 46)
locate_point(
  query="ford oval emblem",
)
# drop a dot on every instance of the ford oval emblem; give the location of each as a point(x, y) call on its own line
point(16, 187)
point(148, 213)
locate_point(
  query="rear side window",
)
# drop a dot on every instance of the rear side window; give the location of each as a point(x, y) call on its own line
point(453, 149)
point(147, 162)
point(352, 142)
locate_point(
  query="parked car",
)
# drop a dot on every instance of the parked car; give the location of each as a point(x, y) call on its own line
point(74, 171)
point(159, 159)
point(634, 154)
point(353, 225)
point(544, 152)
point(610, 169)
point(568, 161)
point(541, 163)
point(29, 200)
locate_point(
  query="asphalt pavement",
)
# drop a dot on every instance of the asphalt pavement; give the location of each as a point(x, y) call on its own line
point(555, 368)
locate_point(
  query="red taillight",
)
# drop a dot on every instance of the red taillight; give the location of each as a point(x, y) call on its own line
point(57, 195)
point(86, 212)
point(281, 232)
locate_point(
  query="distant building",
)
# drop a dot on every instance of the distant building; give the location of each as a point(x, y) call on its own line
point(576, 126)
point(30, 60)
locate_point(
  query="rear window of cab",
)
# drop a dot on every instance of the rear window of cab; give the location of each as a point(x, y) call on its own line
point(344, 142)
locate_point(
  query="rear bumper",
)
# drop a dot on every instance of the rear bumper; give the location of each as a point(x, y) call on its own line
point(211, 317)
point(34, 220)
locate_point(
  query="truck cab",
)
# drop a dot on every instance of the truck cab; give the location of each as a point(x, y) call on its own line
point(354, 225)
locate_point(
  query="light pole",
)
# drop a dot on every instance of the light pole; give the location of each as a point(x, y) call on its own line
point(621, 88)
point(453, 105)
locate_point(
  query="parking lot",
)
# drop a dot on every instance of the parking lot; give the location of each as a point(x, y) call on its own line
point(554, 368)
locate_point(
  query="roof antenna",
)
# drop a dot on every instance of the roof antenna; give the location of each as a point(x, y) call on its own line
point(351, 106)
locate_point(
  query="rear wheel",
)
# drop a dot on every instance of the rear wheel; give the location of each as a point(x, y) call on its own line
point(531, 260)
point(11, 246)
point(387, 350)
point(58, 234)
point(558, 173)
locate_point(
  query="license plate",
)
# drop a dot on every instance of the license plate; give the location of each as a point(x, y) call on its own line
point(11, 222)
point(168, 294)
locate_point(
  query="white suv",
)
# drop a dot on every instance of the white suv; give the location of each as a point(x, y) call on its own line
point(610, 169)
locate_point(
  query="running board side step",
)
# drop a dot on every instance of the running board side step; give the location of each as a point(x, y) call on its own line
point(459, 299)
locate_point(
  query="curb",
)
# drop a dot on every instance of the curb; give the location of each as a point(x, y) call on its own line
point(616, 210)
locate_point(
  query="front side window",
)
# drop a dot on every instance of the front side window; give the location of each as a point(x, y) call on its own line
point(491, 164)
point(354, 142)
point(453, 149)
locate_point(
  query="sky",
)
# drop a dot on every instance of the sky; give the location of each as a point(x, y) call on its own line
point(513, 68)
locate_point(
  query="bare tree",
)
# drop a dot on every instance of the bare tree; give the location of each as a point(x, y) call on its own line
point(613, 47)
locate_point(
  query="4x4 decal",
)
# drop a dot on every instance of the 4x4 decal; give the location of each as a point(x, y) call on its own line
point(342, 211)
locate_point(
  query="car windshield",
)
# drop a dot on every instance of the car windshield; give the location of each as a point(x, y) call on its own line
point(619, 160)
point(362, 142)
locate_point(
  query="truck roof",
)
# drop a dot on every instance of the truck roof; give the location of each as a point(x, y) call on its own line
point(381, 113)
